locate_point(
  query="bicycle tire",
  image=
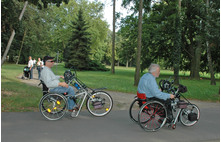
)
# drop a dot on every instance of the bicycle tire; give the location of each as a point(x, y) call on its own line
point(99, 103)
point(134, 110)
point(53, 106)
point(191, 108)
point(152, 116)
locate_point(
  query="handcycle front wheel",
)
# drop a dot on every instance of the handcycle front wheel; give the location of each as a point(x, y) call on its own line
point(53, 106)
point(99, 103)
point(185, 112)
point(152, 116)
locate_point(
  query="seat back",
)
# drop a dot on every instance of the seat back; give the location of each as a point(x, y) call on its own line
point(143, 98)
point(44, 88)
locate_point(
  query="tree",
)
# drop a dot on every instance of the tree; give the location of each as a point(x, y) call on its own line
point(139, 44)
point(213, 81)
point(138, 6)
point(113, 40)
point(177, 47)
point(45, 3)
point(78, 49)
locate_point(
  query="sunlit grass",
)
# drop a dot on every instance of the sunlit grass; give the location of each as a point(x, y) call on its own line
point(18, 96)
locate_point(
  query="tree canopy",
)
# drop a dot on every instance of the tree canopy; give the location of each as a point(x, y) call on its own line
point(47, 28)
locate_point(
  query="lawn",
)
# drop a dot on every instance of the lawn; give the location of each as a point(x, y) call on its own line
point(17, 96)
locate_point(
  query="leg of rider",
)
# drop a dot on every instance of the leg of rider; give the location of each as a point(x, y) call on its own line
point(69, 90)
point(71, 102)
point(169, 109)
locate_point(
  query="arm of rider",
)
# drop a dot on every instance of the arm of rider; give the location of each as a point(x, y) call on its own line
point(62, 77)
point(172, 96)
point(63, 84)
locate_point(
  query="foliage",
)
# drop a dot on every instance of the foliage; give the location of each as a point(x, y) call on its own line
point(49, 30)
point(159, 35)
point(44, 3)
point(77, 51)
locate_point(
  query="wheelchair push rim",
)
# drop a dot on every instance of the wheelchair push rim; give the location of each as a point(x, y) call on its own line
point(53, 106)
point(152, 116)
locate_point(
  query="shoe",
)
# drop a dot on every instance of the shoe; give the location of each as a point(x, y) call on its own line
point(73, 113)
point(76, 108)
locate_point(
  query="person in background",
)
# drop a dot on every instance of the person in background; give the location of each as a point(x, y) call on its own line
point(34, 62)
point(39, 67)
point(30, 65)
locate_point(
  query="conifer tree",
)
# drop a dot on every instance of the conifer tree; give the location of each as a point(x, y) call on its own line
point(78, 49)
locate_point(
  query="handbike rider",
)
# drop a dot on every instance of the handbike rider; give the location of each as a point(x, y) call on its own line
point(55, 86)
point(148, 86)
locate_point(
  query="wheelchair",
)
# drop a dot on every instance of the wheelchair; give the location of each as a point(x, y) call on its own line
point(54, 106)
point(152, 114)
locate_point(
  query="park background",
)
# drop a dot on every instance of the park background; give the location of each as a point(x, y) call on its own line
point(184, 38)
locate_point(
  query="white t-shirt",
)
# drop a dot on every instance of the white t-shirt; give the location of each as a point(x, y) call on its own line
point(30, 63)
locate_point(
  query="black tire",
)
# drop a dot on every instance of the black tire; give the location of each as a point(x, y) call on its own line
point(99, 103)
point(53, 106)
point(191, 108)
point(152, 116)
point(134, 110)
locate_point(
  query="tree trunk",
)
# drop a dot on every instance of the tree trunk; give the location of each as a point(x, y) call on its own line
point(177, 47)
point(113, 40)
point(213, 81)
point(137, 72)
point(197, 58)
point(21, 46)
point(12, 35)
point(127, 64)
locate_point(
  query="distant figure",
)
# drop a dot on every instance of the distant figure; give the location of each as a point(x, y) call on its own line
point(30, 66)
point(39, 67)
point(34, 62)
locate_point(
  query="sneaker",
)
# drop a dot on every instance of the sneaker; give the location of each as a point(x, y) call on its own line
point(74, 113)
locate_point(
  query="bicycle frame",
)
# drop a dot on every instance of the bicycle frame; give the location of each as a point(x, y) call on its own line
point(82, 94)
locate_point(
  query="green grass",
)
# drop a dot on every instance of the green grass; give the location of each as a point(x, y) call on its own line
point(18, 96)
point(15, 95)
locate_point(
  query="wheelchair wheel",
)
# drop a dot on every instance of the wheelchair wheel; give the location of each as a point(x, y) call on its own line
point(53, 106)
point(190, 115)
point(152, 116)
point(134, 110)
point(99, 103)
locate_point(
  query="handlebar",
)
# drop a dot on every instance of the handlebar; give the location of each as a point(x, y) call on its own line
point(168, 86)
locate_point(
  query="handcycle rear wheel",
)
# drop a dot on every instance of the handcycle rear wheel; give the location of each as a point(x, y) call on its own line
point(99, 103)
point(152, 116)
point(53, 106)
point(134, 110)
point(184, 114)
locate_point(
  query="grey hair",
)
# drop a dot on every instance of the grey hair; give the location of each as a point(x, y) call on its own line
point(153, 68)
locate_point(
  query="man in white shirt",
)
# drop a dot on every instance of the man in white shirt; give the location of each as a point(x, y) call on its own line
point(30, 65)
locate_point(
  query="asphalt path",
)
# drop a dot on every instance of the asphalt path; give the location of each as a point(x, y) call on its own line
point(115, 127)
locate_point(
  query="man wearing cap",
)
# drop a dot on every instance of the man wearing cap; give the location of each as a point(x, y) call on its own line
point(52, 82)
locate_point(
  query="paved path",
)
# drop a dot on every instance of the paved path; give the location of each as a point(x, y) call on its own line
point(115, 127)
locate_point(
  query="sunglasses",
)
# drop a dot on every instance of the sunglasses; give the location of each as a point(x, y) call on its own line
point(50, 61)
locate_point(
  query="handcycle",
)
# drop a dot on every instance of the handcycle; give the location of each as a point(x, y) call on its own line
point(54, 106)
point(152, 115)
